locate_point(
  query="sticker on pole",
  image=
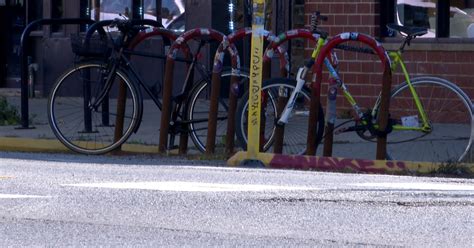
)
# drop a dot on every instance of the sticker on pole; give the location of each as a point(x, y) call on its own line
point(256, 64)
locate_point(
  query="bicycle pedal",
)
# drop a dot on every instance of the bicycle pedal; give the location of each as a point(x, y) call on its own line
point(340, 130)
point(349, 129)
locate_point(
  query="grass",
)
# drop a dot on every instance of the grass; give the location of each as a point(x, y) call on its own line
point(453, 169)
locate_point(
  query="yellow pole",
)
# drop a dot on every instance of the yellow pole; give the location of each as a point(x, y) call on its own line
point(256, 64)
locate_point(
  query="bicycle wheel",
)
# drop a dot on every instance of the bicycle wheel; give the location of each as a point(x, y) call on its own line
point(450, 115)
point(91, 130)
point(296, 130)
point(197, 111)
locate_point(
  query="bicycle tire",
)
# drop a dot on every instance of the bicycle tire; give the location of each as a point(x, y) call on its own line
point(197, 108)
point(449, 111)
point(296, 130)
point(66, 114)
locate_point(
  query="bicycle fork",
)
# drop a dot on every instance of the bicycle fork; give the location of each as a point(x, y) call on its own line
point(286, 114)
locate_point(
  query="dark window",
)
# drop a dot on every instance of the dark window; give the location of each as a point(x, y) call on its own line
point(171, 11)
point(85, 13)
point(110, 9)
point(12, 23)
point(172, 15)
point(99, 10)
point(149, 9)
point(35, 10)
point(461, 19)
point(57, 12)
point(240, 14)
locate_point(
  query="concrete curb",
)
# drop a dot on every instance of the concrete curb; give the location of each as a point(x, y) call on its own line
point(269, 160)
point(279, 161)
point(54, 146)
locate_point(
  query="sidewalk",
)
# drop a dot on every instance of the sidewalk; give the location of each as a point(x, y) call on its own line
point(40, 138)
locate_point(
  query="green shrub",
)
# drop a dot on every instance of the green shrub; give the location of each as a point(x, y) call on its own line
point(8, 114)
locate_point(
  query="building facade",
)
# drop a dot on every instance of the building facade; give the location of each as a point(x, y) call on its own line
point(49, 48)
point(446, 51)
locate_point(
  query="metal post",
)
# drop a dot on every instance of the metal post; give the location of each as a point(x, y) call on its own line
point(229, 145)
point(383, 112)
point(313, 117)
point(256, 63)
point(166, 108)
point(266, 74)
point(213, 113)
point(121, 100)
point(86, 88)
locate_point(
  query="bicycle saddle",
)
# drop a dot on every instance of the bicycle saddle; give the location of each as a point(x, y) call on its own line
point(409, 31)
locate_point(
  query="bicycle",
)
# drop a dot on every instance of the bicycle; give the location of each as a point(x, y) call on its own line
point(436, 105)
point(83, 107)
point(415, 111)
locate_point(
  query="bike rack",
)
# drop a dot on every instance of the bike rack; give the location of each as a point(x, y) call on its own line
point(284, 68)
point(24, 59)
point(272, 48)
point(316, 91)
point(227, 44)
point(275, 47)
point(310, 161)
point(179, 44)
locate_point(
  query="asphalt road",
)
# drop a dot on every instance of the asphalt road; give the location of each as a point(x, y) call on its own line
point(68, 200)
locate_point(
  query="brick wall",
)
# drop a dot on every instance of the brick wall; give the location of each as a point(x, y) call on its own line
point(456, 66)
point(363, 74)
point(345, 16)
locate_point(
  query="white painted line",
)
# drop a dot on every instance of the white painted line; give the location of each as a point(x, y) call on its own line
point(189, 186)
point(420, 186)
point(10, 196)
